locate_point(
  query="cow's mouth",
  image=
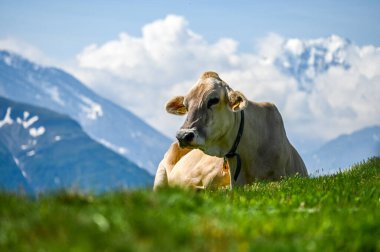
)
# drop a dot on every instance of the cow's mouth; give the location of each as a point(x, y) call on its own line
point(190, 145)
point(185, 145)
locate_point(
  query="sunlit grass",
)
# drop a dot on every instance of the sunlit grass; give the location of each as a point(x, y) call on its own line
point(331, 213)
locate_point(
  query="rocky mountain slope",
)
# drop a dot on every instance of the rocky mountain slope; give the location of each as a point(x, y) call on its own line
point(43, 150)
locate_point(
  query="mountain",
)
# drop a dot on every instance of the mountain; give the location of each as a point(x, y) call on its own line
point(46, 150)
point(344, 151)
point(304, 60)
point(106, 122)
point(12, 178)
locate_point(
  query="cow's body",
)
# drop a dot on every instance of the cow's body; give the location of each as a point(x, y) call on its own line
point(191, 169)
point(265, 150)
point(212, 124)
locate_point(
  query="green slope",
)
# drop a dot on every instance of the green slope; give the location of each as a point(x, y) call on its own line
point(332, 213)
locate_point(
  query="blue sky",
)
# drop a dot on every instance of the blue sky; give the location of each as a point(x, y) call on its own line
point(61, 29)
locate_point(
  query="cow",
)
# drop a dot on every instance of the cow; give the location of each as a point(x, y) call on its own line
point(191, 168)
point(250, 135)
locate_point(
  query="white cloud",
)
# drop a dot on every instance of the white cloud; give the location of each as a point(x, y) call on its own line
point(323, 87)
point(25, 49)
point(141, 73)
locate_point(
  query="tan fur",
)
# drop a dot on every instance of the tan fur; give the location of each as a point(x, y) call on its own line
point(265, 150)
point(191, 169)
point(209, 74)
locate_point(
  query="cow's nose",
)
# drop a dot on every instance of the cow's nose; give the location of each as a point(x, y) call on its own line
point(185, 137)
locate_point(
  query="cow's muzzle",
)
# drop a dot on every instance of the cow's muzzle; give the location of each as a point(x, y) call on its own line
point(185, 137)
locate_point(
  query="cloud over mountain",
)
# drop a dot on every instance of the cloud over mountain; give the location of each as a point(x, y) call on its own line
point(323, 87)
point(27, 50)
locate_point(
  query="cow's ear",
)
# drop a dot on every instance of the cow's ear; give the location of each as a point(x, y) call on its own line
point(237, 101)
point(175, 106)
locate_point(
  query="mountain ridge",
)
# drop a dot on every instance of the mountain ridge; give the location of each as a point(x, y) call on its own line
point(344, 150)
point(117, 128)
point(52, 152)
point(304, 60)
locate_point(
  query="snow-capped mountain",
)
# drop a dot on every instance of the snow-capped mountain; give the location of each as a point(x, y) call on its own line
point(45, 150)
point(344, 151)
point(304, 60)
point(108, 123)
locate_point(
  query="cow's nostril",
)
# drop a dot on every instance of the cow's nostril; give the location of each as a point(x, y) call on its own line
point(185, 138)
point(189, 137)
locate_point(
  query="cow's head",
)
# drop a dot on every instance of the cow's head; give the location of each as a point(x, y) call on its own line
point(211, 107)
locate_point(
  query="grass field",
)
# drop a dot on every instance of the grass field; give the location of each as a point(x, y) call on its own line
point(331, 213)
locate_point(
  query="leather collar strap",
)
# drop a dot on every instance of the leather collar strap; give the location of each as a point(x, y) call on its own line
point(232, 153)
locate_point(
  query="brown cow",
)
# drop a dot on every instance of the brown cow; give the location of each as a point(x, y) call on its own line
point(223, 123)
point(191, 169)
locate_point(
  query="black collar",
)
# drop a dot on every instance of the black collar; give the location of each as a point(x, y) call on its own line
point(232, 153)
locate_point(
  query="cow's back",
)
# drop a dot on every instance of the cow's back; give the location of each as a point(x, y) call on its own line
point(296, 164)
point(272, 156)
point(289, 161)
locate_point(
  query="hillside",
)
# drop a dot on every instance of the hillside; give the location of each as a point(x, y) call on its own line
point(12, 178)
point(48, 151)
point(111, 125)
point(329, 213)
point(343, 151)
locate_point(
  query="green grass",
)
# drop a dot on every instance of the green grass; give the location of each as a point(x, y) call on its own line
point(331, 213)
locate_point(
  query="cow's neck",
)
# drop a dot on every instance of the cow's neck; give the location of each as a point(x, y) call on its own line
point(245, 147)
point(233, 153)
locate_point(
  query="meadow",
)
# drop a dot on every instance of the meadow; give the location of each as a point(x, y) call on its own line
point(339, 212)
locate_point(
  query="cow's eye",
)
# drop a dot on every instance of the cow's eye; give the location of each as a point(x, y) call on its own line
point(212, 101)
